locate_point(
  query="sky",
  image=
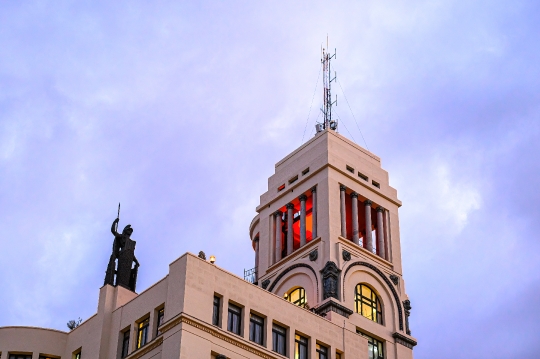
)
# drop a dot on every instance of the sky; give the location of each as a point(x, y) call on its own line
point(179, 110)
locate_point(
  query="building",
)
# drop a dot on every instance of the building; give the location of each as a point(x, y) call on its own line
point(327, 281)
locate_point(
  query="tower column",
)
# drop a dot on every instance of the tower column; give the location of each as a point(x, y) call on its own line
point(380, 232)
point(290, 220)
point(342, 189)
point(278, 215)
point(354, 199)
point(368, 240)
point(303, 199)
point(256, 257)
point(314, 212)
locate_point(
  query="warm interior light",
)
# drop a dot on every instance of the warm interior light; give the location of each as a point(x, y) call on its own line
point(212, 259)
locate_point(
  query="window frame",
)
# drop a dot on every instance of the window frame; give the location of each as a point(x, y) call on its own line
point(254, 322)
point(126, 336)
point(216, 310)
point(159, 320)
point(372, 344)
point(300, 342)
point(322, 351)
point(234, 310)
point(301, 301)
point(142, 332)
point(279, 331)
point(374, 303)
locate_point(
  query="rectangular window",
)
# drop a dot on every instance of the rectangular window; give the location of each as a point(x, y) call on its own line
point(300, 347)
point(375, 347)
point(142, 333)
point(305, 172)
point(41, 357)
point(281, 188)
point(294, 179)
point(279, 339)
point(338, 356)
point(215, 313)
point(20, 356)
point(125, 343)
point(362, 176)
point(234, 323)
point(322, 352)
point(350, 169)
point(376, 184)
point(256, 325)
point(160, 317)
point(77, 354)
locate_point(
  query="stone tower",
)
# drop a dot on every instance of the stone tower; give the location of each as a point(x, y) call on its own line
point(327, 230)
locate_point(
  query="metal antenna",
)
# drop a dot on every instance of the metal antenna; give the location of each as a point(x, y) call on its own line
point(118, 216)
point(327, 95)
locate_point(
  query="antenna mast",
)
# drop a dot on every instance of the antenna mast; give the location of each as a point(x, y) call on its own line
point(327, 95)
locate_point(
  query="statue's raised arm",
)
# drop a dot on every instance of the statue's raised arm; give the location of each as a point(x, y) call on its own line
point(114, 227)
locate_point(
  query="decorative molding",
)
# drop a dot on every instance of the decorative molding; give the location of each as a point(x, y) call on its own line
point(379, 209)
point(342, 187)
point(407, 306)
point(302, 197)
point(221, 356)
point(313, 255)
point(354, 195)
point(288, 269)
point(332, 306)
point(367, 202)
point(330, 277)
point(405, 341)
point(278, 213)
point(265, 283)
point(314, 189)
point(386, 280)
point(202, 255)
point(346, 255)
point(289, 206)
point(146, 349)
point(394, 278)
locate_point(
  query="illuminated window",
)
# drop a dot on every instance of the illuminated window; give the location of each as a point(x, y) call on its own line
point(279, 341)
point(338, 356)
point(322, 352)
point(125, 343)
point(297, 297)
point(300, 347)
point(19, 356)
point(142, 333)
point(256, 325)
point(76, 355)
point(367, 303)
point(375, 347)
point(160, 317)
point(235, 319)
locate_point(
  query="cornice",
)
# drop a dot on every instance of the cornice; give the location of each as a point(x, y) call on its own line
point(403, 340)
point(217, 332)
point(146, 349)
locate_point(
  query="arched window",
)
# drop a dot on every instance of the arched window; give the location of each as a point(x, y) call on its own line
point(367, 303)
point(297, 297)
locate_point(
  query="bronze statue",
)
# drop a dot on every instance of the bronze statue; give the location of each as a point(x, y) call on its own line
point(123, 266)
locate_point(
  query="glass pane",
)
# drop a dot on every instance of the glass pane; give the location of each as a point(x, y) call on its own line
point(366, 292)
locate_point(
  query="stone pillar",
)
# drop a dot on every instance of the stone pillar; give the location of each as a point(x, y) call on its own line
point(314, 213)
point(342, 189)
point(278, 215)
point(290, 220)
point(368, 241)
point(256, 257)
point(303, 199)
point(380, 232)
point(355, 236)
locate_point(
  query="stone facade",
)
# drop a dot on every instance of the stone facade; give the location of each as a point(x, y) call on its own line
point(319, 253)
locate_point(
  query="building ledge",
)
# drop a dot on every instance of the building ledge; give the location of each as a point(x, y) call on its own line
point(362, 251)
point(293, 256)
point(331, 306)
point(405, 341)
